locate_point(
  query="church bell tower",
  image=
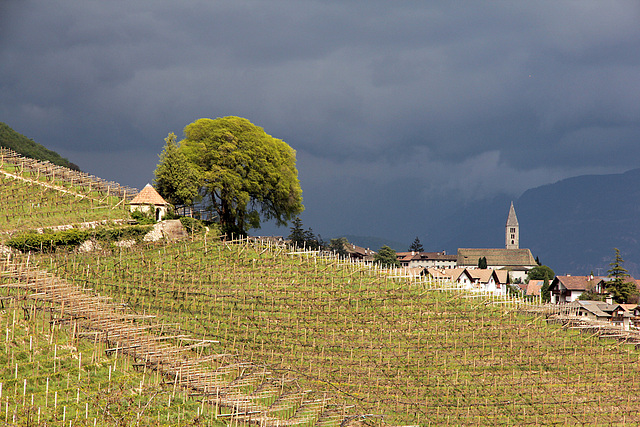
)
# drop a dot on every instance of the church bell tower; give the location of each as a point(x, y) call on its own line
point(512, 230)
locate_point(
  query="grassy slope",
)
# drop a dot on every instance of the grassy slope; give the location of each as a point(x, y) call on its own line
point(51, 357)
point(19, 143)
point(410, 353)
point(48, 376)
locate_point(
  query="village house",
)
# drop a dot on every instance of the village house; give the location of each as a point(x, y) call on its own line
point(566, 289)
point(516, 261)
point(459, 276)
point(149, 201)
point(488, 280)
point(360, 253)
point(604, 312)
point(427, 259)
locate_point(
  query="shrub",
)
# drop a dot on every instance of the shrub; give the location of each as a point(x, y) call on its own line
point(48, 241)
point(132, 232)
point(192, 225)
point(143, 218)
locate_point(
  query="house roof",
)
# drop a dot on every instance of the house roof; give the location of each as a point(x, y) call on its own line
point(503, 276)
point(628, 307)
point(496, 257)
point(483, 275)
point(594, 307)
point(533, 287)
point(359, 251)
point(437, 273)
point(424, 256)
point(599, 308)
point(148, 196)
point(455, 273)
point(577, 283)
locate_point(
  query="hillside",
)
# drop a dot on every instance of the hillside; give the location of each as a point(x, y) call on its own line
point(404, 353)
point(37, 194)
point(209, 332)
point(19, 143)
point(571, 225)
point(574, 224)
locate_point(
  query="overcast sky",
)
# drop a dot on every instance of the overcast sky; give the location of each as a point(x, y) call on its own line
point(398, 110)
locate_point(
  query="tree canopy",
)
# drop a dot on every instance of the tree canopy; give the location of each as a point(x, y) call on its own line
point(540, 272)
point(177, 179)
point(246, 174)
point(339, 246)
point(416, 246)
point(482, 263)
point(304, 238)
point(386, 257)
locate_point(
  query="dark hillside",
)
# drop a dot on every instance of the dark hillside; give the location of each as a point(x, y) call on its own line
point(571, 225)
point(574, 224)
point(19, 143)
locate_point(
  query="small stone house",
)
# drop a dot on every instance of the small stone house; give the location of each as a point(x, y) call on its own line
point(149, 201)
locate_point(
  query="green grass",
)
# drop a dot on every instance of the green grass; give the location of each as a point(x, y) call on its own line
point(50, 375)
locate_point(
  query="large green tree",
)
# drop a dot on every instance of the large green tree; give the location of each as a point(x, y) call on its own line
point(244, 173)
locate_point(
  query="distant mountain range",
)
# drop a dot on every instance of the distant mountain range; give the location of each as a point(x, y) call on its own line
point(572, 225)
point(19, 143)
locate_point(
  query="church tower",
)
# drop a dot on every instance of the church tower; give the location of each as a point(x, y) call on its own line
point(512, 230)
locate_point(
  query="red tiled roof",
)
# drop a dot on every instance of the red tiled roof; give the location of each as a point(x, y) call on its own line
point(578, 283)
point(148, 196)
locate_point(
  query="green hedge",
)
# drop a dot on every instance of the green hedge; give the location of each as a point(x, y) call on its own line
point(49, 240)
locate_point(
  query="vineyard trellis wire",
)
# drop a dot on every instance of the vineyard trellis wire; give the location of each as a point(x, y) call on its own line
point(48, 171)
point(413, 352)
point(245, 389)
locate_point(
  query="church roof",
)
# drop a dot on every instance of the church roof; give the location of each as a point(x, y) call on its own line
point(496, 257)
point(512, 219)
point(148, 196)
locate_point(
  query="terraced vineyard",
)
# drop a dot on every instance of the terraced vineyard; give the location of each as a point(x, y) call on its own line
point(38, 194)
point(398, 353)
point(52, 373)
point(249, 333)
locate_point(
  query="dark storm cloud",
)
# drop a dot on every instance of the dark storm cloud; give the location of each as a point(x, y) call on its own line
point(387, 103)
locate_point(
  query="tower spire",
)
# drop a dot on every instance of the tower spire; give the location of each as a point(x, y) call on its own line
point(512, 230)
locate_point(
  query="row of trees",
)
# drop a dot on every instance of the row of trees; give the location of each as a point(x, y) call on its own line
point(307, 239)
